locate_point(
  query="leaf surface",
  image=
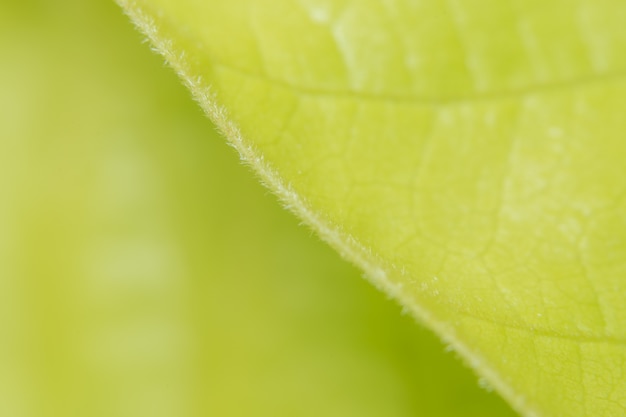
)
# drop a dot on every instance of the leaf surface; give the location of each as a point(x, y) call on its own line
point(467, 155)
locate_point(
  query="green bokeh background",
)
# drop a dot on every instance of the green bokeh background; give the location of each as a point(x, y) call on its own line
point(144, 272)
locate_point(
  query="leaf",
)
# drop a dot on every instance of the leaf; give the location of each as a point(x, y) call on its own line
point(467, 155)
point(143, 274)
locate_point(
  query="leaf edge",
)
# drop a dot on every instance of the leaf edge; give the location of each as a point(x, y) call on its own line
point(345, 244)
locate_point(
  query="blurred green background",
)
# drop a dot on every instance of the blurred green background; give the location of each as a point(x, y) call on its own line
point(145, 273)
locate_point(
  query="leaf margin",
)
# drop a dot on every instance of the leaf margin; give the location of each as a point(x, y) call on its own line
point(348, 247)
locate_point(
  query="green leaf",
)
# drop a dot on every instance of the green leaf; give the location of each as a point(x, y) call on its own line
point(467, 155)
point(143, 274)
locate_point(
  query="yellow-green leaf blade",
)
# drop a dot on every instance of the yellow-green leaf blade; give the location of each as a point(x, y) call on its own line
point(466, 155)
